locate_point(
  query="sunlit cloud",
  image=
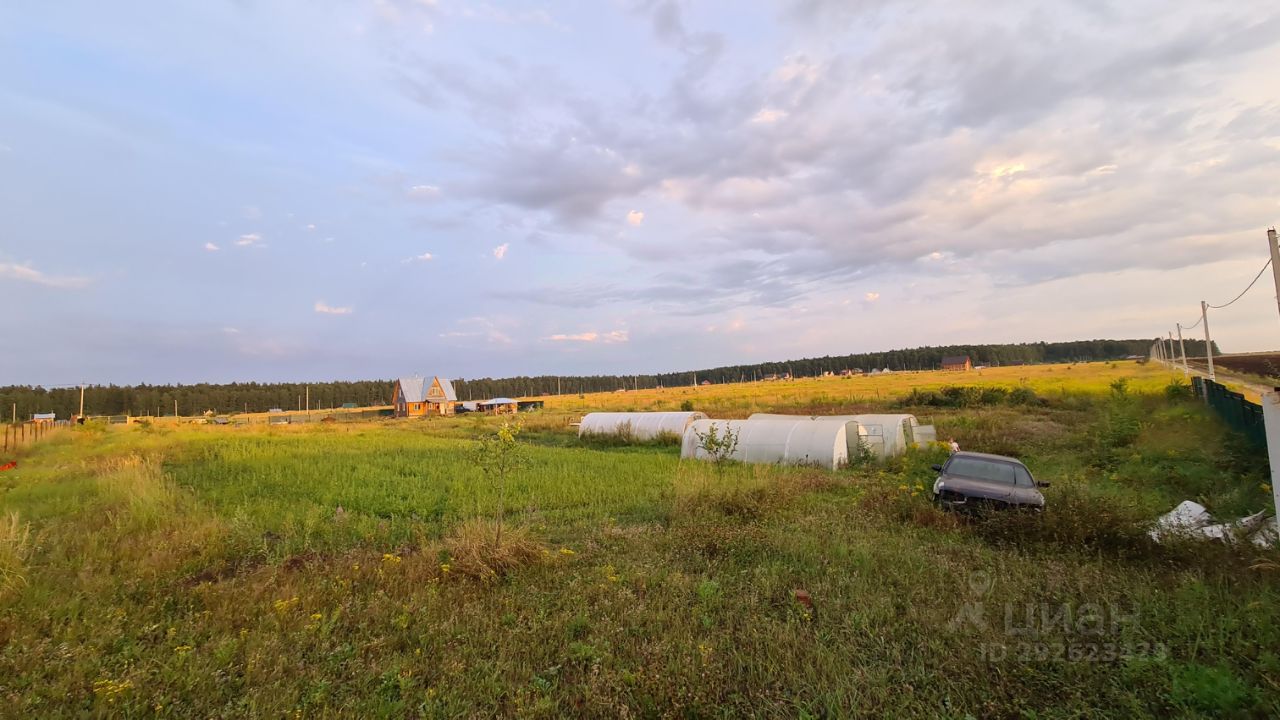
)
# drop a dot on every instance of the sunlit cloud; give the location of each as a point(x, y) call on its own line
point(500, 252)
point(635, 217)
point(424, 257)
point(211, 247)
point(26, 273)
point(424, 192)
point(326, 309)
point(614, 336)
point(248, 239)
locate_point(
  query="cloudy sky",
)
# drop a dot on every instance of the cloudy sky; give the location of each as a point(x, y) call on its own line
point(288, 189)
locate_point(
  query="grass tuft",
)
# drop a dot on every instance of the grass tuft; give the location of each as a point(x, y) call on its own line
point(15, 537)
point(474, 551)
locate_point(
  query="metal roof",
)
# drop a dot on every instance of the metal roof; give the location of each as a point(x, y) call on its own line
point(447, 386)
point(413, 388)
point(499, 401)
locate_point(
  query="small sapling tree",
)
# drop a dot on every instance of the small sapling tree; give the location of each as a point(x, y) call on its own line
point(718, 446)
point(500, 455)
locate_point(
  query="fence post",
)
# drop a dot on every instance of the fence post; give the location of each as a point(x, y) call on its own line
point(1271, 421)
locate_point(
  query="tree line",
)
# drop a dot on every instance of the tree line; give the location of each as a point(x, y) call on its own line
point(259, 397)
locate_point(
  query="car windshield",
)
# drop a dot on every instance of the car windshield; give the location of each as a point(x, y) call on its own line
point(979, 469)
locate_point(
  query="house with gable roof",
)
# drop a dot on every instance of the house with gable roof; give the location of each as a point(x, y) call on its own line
point(420, 397)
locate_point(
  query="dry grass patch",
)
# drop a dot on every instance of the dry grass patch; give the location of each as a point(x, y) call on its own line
point(475, 552)
point(15, 537)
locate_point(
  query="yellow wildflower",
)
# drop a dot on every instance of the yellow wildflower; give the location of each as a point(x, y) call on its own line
point(389, 558)
point(566, 551)
point(282, 606)
point(316, 616)
point(445, 568)
point(902, 487)
point(182, 649)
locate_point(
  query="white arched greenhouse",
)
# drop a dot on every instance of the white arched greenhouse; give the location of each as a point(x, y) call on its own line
point(639, 425)
point(856, 436)
point(899, 431)
point(790, 442)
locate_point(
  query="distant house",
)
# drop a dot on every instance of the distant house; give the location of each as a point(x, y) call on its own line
point(706, 382)
point(420, 397)
point(44, 417)
point(956, 363)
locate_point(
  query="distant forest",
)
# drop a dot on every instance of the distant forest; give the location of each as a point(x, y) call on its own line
point(260, 397)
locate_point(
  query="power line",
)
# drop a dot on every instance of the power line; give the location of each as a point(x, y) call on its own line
point(1255, 279)
point(1193, 327)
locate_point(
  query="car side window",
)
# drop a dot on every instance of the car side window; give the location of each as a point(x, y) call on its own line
point(1021, 477)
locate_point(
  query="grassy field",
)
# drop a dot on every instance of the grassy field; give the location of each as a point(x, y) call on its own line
point(340, 570)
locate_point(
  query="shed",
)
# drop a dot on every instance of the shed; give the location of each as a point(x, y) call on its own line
point(500, 406)
point(856, 435)
point(44, 417)
point(956, 363)
point(643, 425)
point(789, 442)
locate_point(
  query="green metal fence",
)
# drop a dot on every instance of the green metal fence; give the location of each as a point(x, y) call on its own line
point(1243, 416)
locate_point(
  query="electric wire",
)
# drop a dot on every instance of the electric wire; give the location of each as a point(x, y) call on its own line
point(1255, 280)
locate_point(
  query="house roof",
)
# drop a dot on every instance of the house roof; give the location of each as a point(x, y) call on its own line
point(44, 416)
point(499, 401)
point(447, 386)
point(414, 388)
point(955, 359)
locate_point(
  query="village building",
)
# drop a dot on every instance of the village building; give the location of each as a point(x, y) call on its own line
point(957, 363)
point(422, 397)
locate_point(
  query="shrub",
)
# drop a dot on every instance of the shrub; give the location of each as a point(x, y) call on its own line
point(1177, 390)
point(687, 406)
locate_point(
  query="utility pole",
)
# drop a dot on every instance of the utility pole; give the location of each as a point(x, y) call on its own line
point(1275, 260)
point(1183, 349)
point(308, 400)
point(81, 400)
point(1208, 344)
point(1173, 356)
point(175, 409)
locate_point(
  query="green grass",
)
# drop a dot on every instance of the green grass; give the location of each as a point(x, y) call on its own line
point(271, 571)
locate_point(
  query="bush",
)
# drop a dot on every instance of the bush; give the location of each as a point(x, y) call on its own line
point(964, 396)
point(687, 406)
point(1177, 390)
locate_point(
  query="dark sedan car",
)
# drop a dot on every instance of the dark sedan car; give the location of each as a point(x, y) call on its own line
point(973, 479)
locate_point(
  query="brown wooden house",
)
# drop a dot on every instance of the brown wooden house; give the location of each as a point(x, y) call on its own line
point(420, 397)
point(956, 363)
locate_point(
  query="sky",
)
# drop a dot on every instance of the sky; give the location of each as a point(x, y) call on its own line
point(308, 190)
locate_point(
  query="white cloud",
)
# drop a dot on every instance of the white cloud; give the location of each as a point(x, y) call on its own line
point(872, 296)
point(424, 257)
point(325, 309)
point(614, 336)
point(31, 275)
point(501, 251)
point(768, 116)
point(248, 239)
point(424, 192)
point(311, 226)
point(211, 247)
point(635, 217)
point(231, 330)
